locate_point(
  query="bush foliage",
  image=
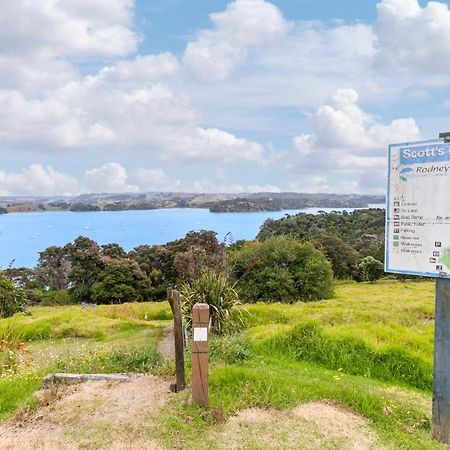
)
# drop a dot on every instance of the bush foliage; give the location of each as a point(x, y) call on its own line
point(216, 290)
point(281, 269)
point(12, 299)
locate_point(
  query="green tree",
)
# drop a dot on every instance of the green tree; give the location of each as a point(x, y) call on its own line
point(281, 269)
point(113, 251)
point(120, 280)
point(342, 256)
point(22, 277)
point(86, 264)
point(12, 299)
point(53, 268)
point(357, 228)
point(182, 259)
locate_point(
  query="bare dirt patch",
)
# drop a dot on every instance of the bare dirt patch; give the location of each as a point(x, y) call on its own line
point(337, 422)
point(316, 425)
point(92, 415)
point(167, 345)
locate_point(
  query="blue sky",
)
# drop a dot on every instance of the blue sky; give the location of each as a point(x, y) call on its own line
point(216, 96)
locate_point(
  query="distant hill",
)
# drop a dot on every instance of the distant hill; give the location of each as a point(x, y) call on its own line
point(216, 202)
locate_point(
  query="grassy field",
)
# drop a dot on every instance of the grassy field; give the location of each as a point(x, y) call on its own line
point(370, 349)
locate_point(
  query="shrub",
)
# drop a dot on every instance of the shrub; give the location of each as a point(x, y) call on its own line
point(12, 299)
point(370, 269)
point(281, 269)
point(216, 290)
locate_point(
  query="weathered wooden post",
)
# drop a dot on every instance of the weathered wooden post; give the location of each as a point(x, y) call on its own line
point(441, 375)
point(174, 298)
point(441, 378)
point(200, 349)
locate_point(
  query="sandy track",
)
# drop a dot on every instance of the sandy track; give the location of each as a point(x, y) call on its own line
point(95, 414)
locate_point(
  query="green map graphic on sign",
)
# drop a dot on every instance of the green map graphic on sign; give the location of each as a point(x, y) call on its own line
point(446, 258)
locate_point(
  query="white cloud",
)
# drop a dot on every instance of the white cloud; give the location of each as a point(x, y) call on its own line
point(39, 40)
point(342, 124)
point(37, 180)
point(71, 28)
point(124, 106)
point(243, 25)
point(149, 107)
point(110, 177)
point(211, 144)
point(142, 69)
point(413, 37)
point(348, 146)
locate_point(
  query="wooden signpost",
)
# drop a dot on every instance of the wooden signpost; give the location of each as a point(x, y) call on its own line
point(200, 349)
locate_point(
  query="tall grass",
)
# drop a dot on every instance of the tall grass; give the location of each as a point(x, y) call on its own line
point(350, 354)
point(116, 360)
point(70, 321)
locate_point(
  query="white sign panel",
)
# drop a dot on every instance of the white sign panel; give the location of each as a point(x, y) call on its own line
point(200, 334)
point(418, 209)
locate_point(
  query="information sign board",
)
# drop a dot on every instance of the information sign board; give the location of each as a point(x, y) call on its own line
point(418, 209)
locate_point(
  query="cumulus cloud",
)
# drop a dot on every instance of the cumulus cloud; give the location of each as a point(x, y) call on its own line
point(341, 123)
point(143, 69)
point(348, 145)
point(243, 25)
point(71, 28)
point(413, 37)
point(39, 41)
point(148, 104)
point(110, 177)
point(124, 106)
point(37, 180)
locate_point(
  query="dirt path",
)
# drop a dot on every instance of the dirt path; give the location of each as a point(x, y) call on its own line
point(123, 416)
point(167, 345)
point(92, 415)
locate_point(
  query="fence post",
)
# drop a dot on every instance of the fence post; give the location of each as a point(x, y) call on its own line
point(200, 349)
point(174, 298)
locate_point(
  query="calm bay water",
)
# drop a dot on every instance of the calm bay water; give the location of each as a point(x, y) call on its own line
point(24, 235)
